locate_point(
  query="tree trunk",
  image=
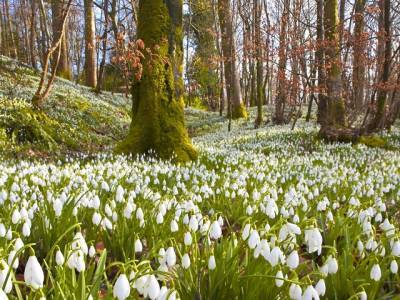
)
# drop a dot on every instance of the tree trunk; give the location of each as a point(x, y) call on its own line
point(158, 124)
point(32, 36)
point(63, 68)
point(90, 46)
point(377, 121)
point(104, 48)
point(259, 53)
point(280, 100)
point(234, 94)
point(335, 113)
point(359, 46)
point(12, 44)
point(320, 61)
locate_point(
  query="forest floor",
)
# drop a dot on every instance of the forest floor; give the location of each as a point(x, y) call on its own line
point(261, 214)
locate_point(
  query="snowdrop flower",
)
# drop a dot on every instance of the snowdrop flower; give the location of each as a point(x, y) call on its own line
point(16, 217)
point(275, 256)
point(79, 243)
point(313, 239)
point(76, 261)
point(138, 246)
point(3, 295)
point(254, 239)
point(139, 214)
point(263, 249)
point(96, 219)
point(59, 258)
point(246, 232)
point(92, 251)
point(332, 265)
point(151, 287)
point(159, 218)
point(396, 249)
point(387, 227)
point(18, 244)
point(211, 262)
point(2, 230)
point(119, 195)
point(170, 257)
point(185, 261)
point(188, 239)
point(278, 280)
point(295, 292)
point(26, 229)
point(121, 288)
point(174, 226)
point(193, 223)
point(140, 284)
point(310, 293)
point(13, 260)
point(394, 267)
point(375, 273)
point(320, 287)
point(293, 260)
point(363, 295)
point(33, 274)
point(4, 269)
point(215, 230)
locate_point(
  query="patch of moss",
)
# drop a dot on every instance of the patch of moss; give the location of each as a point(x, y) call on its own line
point(374, 141)
point(239, 112)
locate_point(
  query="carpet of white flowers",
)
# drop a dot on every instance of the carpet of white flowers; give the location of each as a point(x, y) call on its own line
point(263, 214)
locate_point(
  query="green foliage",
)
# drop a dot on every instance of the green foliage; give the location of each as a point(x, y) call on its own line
point(239, 112)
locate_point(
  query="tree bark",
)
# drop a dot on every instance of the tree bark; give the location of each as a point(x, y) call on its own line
point(280, 101)
point(90, 45)
point(259, 54)
point(104, 48)
point(359, 46)
point(232, 81)
point(158, 124)
point(63, 68)
point(335, 113)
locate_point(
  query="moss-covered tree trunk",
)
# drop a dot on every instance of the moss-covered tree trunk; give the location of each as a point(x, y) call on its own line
point(90, 45)
point(234, 93)
point(157, 110)
point(334, 117)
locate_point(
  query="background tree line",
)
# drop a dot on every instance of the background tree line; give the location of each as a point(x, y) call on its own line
point(342, 56)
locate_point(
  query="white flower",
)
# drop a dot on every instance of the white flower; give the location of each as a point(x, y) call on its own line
point(59, 258)
point(151, 288)
point(387, 227)
point(174, 226)
point(16, 216)
point(187, 239)
point(3, 295)
point(193, 223)
point(293, 260)
point(310, 294)
point(92, 251)
point(140, 284)
point(13, 260)
point(394, 267)
point(279, 279)
point(26, 229)
point(33, 274)
point(396, 249)
point(332, 265)
point(246, 232)
point(215, 230)
point(211, 262)
point(4, 269)
point(119, 195)
point(79, 243)
point(313, 239)
point(254, 239)
point(76, 261)
point(275, 256)
point(159, 218)
point(320, 287)
point(96, 219)
point(185, 261)
point(121, 288)
point(18, 244)
point(138, 246)
point(376, 272)
point(295, 292)
point(170, 257)
point(3, 230)
point(363, 295)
